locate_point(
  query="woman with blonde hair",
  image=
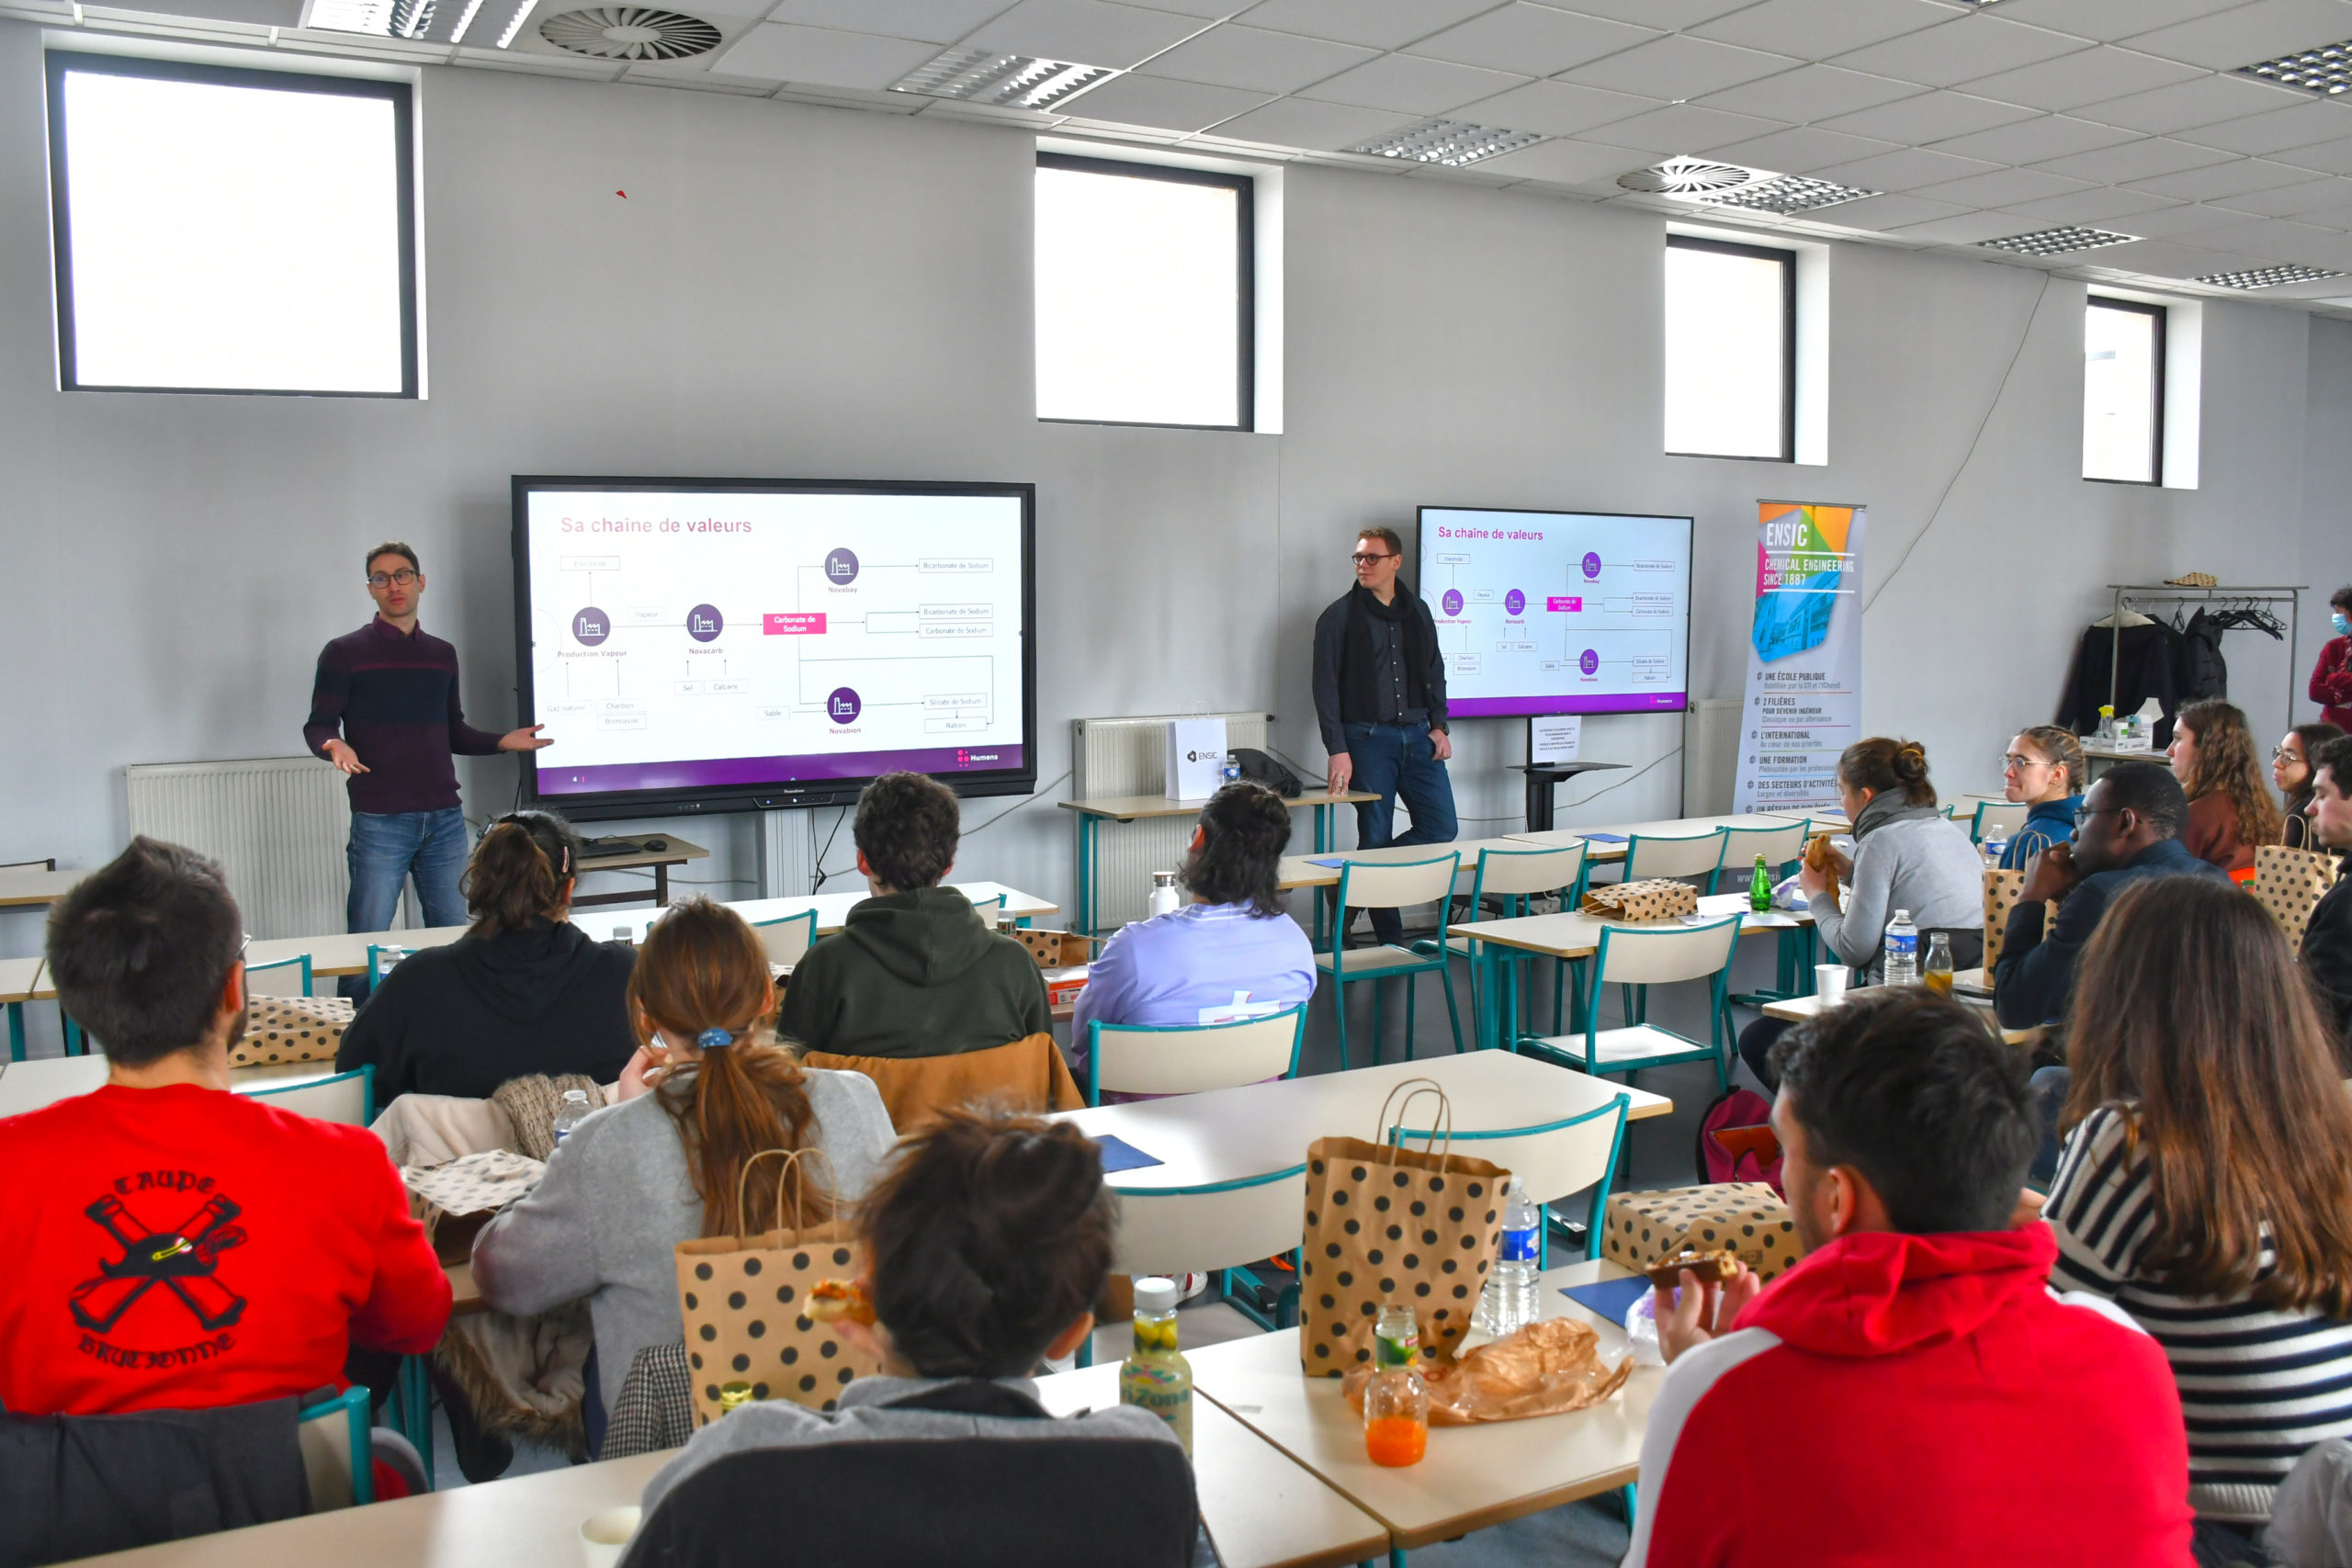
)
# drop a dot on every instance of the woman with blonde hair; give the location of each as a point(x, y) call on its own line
point(2229, 808)
point(2045, 770)
point(709, 1090)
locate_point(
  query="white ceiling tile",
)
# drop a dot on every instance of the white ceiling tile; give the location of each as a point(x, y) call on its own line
point(2275, 238)
point(1382, 24)
point(1206, 10)
point(1670, 13)
point(1961, 50)
point(1409, 85)
point(1556, 108)
point(1929, 117)
point(1318, 127)
point(2339, 219)
point(1236, 56)
point(2184, 105)
point(1800, 151)
point(935, 21)
point(2327, 157)
point(1533, 40)
point(1906, 169)
point(2321, 201)
point(1686, 128)
point(1816, 29)
point(1569, 162)
point(2220, 181)
point(1092, 32)
point(2304, 123)
point(1968, 229)
point(1878, 213)
point(1679, 67)
point(1161, 103)
point(2144, 159)
point(2000, 188)
point(2185, 219)
point(2108, 21)
point(2031, 141)
point(2096, 206)
point(1809, 92)
point(2161, 258)
point(779, 52)
point(2249, 33)
point(2085, 76)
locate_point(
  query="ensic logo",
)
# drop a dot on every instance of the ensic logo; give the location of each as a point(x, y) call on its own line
point(843, 706)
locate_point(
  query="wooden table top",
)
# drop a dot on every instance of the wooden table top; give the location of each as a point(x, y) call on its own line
point(1129, 807)
point(1304, 871)
point(34, 887)
point(1576, 935)
point(1795, 1009)
point(679, 851)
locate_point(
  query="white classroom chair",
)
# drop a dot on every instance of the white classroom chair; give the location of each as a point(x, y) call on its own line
point(1192, 1058)
point(788, 938)
point(348, 1098)
point(1506, 880)
point(1220, 1226)
point(1383, 886)
point(1649, 856)
point(1779, 846)
point(1998, 819)
point(333, 1437)
point(1552, 1159)
point(282, 978)
point(1637, 957)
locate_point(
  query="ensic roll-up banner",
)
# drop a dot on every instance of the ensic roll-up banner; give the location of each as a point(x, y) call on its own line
point(1805, 657)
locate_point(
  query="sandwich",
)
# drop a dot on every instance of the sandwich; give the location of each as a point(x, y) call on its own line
point(839, 1301)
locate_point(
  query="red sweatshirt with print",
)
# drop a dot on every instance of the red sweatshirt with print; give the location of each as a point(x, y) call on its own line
point(181, 1248)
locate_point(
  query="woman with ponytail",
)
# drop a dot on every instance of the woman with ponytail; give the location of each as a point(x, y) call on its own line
point(523, 992)
point(708, 1089)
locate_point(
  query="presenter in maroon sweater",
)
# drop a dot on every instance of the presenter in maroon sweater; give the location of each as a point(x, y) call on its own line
point(384, 709)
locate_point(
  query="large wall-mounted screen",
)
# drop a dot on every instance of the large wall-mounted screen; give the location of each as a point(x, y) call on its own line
point(751, 644)
point(1558, 611)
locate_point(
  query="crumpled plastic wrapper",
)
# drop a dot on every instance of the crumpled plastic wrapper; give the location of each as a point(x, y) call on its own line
point(1548, 1367)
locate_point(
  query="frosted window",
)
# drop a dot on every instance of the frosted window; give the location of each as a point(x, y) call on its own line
point(232, 230)
point(1729, 372)
point(1142, 296)
point(2123, 391)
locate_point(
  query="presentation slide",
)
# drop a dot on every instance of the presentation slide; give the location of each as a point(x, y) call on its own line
point(1558, 611)
point(704, 639)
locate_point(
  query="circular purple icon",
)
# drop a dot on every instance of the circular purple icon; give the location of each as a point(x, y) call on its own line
point(843, 705)
point(704, 623)
point(1514, 601)
point(1452, 601)
point(1587, 662)
point(841, 568)
point(592, 626)
point(1591, 564)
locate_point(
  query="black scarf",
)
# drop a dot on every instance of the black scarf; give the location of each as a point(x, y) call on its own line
point(1358, 701)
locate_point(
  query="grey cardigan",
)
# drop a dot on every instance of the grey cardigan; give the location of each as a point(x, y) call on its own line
point(1920, 862)
point(617, 1198)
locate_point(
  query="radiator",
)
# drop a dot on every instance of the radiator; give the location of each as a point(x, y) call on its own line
point(276, 826)
point(1710, 734)
point(1112, 757)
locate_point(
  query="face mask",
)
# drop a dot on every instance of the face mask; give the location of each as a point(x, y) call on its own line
point(2343, 627)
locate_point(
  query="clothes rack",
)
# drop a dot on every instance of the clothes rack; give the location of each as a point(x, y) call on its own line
point(2136, 596)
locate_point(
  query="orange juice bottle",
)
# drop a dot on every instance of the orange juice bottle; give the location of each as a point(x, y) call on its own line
point(1395, 1404)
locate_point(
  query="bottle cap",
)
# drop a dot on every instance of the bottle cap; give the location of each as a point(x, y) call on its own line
point(1155, 1294)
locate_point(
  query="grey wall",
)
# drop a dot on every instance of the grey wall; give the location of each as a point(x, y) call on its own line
point(792, 291)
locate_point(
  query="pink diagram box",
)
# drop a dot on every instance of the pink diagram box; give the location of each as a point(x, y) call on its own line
point(1555, 603)
point(811, 623)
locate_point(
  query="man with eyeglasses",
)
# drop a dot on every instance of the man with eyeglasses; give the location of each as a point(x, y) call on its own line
point(384, 709)
point(1380, 701)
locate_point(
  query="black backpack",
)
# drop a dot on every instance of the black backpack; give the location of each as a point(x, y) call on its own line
point(1258, 768)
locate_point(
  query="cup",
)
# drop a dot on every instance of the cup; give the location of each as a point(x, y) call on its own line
point(603, 1537)
point(1830, 982)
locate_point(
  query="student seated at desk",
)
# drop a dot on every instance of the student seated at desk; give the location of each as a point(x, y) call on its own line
point(2128, 829)
point(2044, 771)
point(987, 1244)
point(1230, 953)
point(523, 992)
point(2206, 1187)
point(2291, 769)
point(173, 1246)
point(709, 1090)
point(2327, 935)
point(1910, 1392)
point(2229, 808)
point(915, 971)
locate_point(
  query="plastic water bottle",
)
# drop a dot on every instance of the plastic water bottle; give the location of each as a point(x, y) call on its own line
point(571, 1113)
point(625, 935)
point(1155, 1376)
point(1164, 898)
point(1513, 1297)
point(1902, 949)
point(387, 956)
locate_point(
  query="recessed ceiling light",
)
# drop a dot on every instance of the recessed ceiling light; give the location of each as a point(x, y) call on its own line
point(1452, 142)
point(2326, 70)
point(1007, 81)
point(2058, 242)
point(384, 18)
point(515, 23)
point(1785, 194)
point(2267, 276)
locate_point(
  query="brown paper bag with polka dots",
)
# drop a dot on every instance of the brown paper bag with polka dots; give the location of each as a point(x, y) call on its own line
point(743, 1300)
point(1387, 1223)
point(291, 1029)
point(2290, 884)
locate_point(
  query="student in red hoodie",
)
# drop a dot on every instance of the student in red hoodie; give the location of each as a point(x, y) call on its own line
point(173, 1246)
point(1911, 1392)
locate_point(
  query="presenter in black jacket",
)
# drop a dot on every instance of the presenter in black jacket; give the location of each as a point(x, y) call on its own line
point(1380, 699)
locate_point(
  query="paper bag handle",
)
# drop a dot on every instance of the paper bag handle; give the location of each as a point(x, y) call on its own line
point(784, 1174)
point(1419, 1086)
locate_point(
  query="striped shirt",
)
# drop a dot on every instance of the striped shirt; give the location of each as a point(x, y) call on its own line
point(2258, 1387)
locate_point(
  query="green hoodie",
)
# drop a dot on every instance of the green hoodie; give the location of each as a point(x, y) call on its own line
point(914, 974)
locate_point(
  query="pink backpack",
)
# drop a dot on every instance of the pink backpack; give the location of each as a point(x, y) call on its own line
point(1736, 1142)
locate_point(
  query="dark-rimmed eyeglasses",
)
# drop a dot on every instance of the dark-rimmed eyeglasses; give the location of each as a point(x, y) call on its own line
point(2085, 815)
point(1362, 557)
point(385, 579)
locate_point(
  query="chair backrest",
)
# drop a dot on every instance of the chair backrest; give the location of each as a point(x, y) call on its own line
point(989, 908)
point(336, 1449)
point(1694, 855)
point(1029, 1074)
point(348, 1098)
point(1553, 1159)
point(789, 937)
point(1134, 1059)
point(1998, 819)
point(1517, 873)
point(1168, 1230)
point(1396, 884)
point(1778, 845)
point(281, 977)
point(1655, 955)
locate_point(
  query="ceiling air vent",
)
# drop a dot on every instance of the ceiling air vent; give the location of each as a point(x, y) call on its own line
point(630, 32)
point(1690, 176)
point(2267, 276)
point(2058, 242)
point(2326, 70)
point(1007, 81)
point(1452, 142)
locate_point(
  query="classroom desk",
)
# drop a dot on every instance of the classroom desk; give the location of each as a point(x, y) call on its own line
point(1091, 814)
point(1472, 1476)
point(832, 910)
point(678, 853)
point(28, 1086)
point(35, 888)
point(1796, 1009)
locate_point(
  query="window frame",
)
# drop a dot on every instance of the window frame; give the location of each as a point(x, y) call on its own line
point(1245, 189)
point(59, 62)
point(1788, 264)
point(2162, 319)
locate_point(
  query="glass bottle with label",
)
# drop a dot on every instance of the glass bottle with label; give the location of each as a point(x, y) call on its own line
point(1395, 1404)
point(1760, 887)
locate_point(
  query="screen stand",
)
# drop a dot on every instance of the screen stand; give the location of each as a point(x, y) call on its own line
point(1540, 778)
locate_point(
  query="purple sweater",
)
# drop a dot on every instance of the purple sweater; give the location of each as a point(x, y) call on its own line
point(393, 696)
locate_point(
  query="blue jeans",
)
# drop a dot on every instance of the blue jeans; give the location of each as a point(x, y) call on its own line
point(1390, 760)
point(388, 848)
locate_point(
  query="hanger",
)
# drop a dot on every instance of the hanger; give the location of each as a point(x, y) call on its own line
point(2126, 618)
